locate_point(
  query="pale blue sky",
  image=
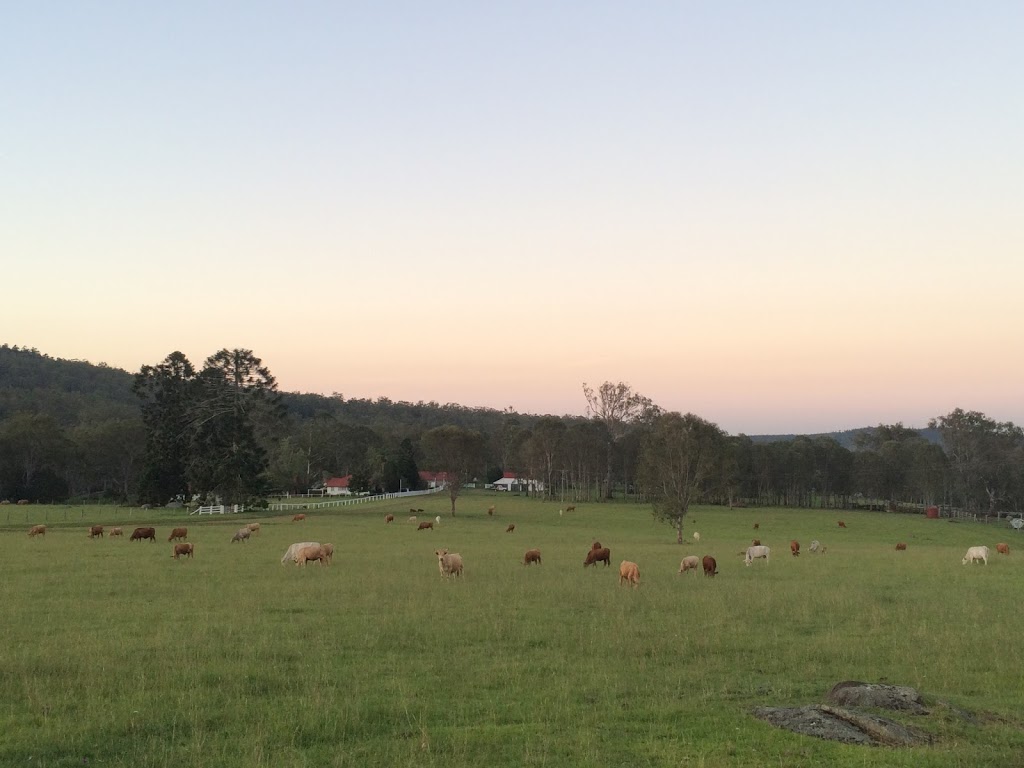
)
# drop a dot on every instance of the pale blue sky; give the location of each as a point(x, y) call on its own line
point(730, 205)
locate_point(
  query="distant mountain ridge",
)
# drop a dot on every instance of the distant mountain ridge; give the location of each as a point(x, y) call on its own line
point(77, 390)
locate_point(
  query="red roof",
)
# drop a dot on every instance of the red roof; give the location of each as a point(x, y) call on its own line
point(437, 477)
point(509, 476)
point(338, 482)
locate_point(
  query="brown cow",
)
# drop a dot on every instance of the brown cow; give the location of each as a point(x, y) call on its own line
point(425, 525)
point(1003, 548)
point(901, 547)
point(630, 573)
point(511, 527)
point(490, 511)
point(794, 547)
point(531, 556)
point(37, 530)
point(182, 549)
point(177, 534)
point(756, 526)
point(143, 533)
point(389, 518)
point(96, 530)
point(412, 511)
point(842, 524)
point(596, 556)
point(757, 543)
point(709, 565)
point(115, 531)
point(596, 545)
point(305, 554)
point(571, 508)
point(298, 517)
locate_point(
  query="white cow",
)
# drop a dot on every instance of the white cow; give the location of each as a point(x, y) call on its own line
point(696, 535)
point(753, 553)
point(816, 545)
point(976, 553)
point(294, 550)
point(689, 563)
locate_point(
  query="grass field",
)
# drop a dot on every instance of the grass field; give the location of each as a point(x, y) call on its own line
point(112, 653)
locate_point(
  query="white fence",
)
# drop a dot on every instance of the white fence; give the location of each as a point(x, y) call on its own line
point(349, 501)
point(219, 509)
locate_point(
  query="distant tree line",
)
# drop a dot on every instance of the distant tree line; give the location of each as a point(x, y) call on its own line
point(72, 430)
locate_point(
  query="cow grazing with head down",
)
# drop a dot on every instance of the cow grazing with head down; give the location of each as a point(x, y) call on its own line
point(425, 525)
point(696, 535)
point(842, 524)
point(531, 556)
point(511, 527)
point(178, 533)
point(901, 547)
point(756, 526)
point(490, 511)
point(139, 534)
point(310, 553)
point(96, 531)
point(182, 549)
point(299, 517)
point(389, 518)
point(37, 530)
point(689, 563)
point(976, 553)
point(293, 550)
point(755, 553)
point(242, 534)
point(328, 553)
point(571, 508)
point(710, 565)
point(253, 528)
point(629, 572)
point(115, 531)
point(1002, 548)
point(794, 548)
point(595, 556)
point(816, 546)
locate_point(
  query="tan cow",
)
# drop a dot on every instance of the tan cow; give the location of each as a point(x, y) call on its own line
point(115, 531)
point(389, 518)
point(37, 530)
point(1003, 548)
point(182, 549)
point(254, 528)
point(306, 554)
point(629, 572)
point(242, 534)
point(299, 517)
point(293, 550)
point(328, 553)
point(96, 530)
point(178, 534)
point(689, 563)
point(449, 564)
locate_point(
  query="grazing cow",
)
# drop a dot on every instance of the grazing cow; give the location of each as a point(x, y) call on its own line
point(511, 527)
point(254, 528)
point(842, 524)
point(571, 508)
point(794, 547)
point(448, 564)
point(754, 553)
point(24, 501)
point(5, 501)
point(306, 554)
point(756, 526)
point(96, 530)
point(143, 533)
point(689, 563)
point(182, 549)
point(901, 547)
point(425, 525)
point(595, 556)
point(816, 546)
point(115, 531)
point(976, 553)
point(412, 511)
point(596, 545)
point(178, 533)
point(328, 553)
point(531, 556)
point(490, 511)
point(293, 550)
point(437, 519)
point(420, 511)
point(696, 535)
point(242, 534)
point(299, 517)
point(629, 572)
point(756, 543)
point(1003, 548)
point(37, 530)
point(710, 566)
point(389, 518)
point(412, 518)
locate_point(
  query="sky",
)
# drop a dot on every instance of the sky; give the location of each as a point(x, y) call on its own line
point(783, 217)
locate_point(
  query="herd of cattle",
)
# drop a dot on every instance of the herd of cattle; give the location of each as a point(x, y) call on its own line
point(451, 564)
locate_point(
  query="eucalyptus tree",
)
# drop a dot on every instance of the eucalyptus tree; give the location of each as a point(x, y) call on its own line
point(455, 451)
point(616, 406)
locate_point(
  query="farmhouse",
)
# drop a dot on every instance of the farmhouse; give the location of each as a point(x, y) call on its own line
point(431, 480)
point(512, 481)
point(338, 486)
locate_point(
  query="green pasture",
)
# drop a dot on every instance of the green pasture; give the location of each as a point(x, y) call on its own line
point(114, 654)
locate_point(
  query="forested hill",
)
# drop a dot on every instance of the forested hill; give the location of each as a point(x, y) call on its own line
point(846, 438)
